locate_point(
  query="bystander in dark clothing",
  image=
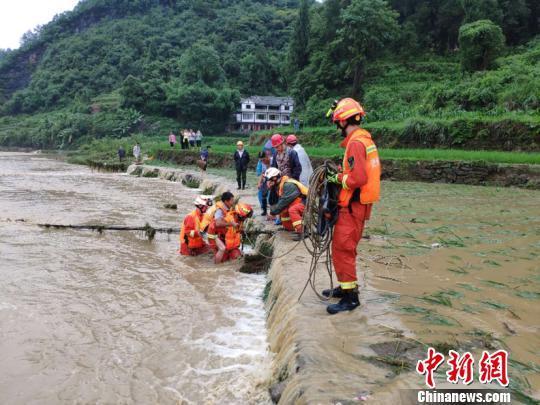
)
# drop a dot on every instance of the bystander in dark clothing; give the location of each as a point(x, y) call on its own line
point(203, 161)
point(121, 154)
point(241, 160)
point(287, 162)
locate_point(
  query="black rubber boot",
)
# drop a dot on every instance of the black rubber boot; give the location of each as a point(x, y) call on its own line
point(335, 293)
point(349, 302)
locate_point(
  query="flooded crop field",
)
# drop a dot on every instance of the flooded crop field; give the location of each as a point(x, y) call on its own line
point(461, 267)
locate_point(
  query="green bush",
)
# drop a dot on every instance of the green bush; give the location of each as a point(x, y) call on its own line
point(480, 42)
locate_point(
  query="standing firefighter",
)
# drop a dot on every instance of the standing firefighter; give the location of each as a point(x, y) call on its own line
point(191, 240)
point(290, 196)
point(360, 188)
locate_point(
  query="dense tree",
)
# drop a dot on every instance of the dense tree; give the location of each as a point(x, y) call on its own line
point(482, 10)
point(298, 54)
point(201, 63)
point(158, 57)
point(132, 92)
point(201, 106)
point(515, 19)
point(480, 43)
point(368, 27)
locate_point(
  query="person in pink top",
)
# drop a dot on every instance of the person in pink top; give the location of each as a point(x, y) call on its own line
point(172, 139)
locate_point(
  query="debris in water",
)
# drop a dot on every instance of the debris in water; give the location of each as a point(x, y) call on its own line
point(509, 328)
point(362, 396)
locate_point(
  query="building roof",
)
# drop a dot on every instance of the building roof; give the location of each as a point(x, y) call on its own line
point(269, 100)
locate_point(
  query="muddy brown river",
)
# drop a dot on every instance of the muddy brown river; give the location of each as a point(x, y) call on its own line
point(112, 317)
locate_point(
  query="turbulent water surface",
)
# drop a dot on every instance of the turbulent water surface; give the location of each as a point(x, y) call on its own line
point(113, 318)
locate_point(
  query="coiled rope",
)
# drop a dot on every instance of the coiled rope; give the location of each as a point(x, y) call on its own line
point(316, 242)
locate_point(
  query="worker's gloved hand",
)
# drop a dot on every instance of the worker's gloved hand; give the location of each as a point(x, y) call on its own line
point(333, 179)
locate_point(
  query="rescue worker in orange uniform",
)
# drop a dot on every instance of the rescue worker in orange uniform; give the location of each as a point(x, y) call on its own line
point(191, 240)
point(225, 229)
point(291, 196)
point(360, 189)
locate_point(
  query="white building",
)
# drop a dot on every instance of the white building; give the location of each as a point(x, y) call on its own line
point(263, 112)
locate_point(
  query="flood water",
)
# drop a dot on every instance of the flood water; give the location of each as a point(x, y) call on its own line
point(112, 317)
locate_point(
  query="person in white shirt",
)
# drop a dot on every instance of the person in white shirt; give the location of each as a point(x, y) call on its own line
point(137, 152)
point(303, 157)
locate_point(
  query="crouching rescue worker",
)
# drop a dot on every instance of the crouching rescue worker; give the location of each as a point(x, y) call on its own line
point(191, 240)
point(291, 197)
point(360, 189)
point(225, 229)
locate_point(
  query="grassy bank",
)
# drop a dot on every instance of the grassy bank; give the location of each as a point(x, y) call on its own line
point(105, 150)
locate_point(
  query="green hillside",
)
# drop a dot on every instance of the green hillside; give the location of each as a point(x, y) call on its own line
point(450, 73)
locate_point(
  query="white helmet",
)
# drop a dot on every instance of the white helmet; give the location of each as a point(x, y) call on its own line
point(271, 173)
point(202, 200)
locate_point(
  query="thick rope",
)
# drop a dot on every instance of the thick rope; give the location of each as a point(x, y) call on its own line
point(316, 244)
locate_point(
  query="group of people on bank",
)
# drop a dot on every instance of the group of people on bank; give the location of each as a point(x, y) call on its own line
point(188, 138)
point(283, 188)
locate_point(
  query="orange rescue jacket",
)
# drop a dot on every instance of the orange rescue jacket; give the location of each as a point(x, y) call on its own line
point(193, 238)
point(369, 192)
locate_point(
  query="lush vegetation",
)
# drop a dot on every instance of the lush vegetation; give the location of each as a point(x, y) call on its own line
point(444, 74)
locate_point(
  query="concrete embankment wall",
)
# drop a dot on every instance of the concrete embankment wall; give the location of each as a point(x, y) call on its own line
point(323, 359)
point(459, 172)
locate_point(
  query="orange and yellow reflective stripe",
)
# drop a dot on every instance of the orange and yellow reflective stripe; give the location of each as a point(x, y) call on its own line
point(349, 285)
point(344, 182)
point(371, 149)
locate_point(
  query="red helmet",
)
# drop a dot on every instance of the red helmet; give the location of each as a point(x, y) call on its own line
point(292, 140)
point(347, 108)
point(276, 140)
point(244, 211)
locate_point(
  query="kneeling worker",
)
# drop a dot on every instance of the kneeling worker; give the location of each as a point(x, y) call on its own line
point(191, 241)
point(290, 205)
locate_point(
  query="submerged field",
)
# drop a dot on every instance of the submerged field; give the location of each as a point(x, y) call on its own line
point(460, 265)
